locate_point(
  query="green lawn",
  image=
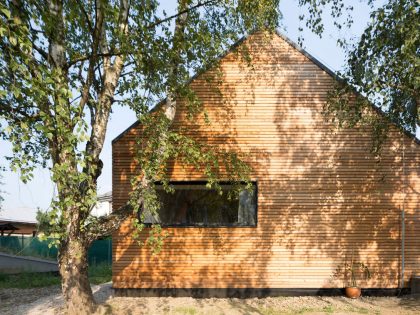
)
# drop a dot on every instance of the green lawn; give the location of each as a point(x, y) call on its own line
point(97, 275)
point(100, 274)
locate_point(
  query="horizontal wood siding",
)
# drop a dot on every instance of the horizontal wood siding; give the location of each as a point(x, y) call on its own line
point(321, 194)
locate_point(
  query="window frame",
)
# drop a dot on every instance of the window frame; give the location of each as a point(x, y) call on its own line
point(203, 225)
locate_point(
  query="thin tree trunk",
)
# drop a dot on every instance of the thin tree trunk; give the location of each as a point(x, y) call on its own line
point(73, 266)
point(170, 105)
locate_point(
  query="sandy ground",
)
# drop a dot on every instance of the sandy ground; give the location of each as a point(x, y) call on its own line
point(47, 301)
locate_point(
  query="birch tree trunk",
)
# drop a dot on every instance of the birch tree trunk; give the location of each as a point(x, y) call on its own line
point(73, 249)
point(170, 106)
point(51, 51)
point(76, 288)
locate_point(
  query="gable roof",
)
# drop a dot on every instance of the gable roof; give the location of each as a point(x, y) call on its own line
point(294, 45)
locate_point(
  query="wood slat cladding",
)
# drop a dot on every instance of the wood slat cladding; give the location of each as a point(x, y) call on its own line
point(321, 195)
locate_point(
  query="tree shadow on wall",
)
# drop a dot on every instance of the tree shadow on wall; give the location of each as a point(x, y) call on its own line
point(336, 199)
point(205, 257)
point(321, 195)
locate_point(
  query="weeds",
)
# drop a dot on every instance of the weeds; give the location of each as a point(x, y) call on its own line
point(185, 310)
point(28, 280)
point(328, 309)
point(97, 274)
point(100, 273)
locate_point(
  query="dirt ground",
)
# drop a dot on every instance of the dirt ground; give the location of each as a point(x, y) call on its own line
point(47, 301)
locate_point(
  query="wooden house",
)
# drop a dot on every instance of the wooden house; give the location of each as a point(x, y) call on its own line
point(320, 197)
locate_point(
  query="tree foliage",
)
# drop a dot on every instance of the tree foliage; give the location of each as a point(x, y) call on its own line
point(64, 65)
point(314, 13)
point(383, 68)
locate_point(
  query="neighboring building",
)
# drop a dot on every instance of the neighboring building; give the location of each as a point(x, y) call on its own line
point(19, 214)
point(320, 197)
point(17, 227)
point(104, 205)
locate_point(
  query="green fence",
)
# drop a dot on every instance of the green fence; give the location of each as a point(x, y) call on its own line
point(100, 251)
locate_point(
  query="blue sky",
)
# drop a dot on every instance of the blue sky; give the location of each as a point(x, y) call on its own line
point(21, 201)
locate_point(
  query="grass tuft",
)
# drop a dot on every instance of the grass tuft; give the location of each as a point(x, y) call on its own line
point(100, 273)
point(358, 310)
point(185, 310)
point(329, 309)
point(304, 310)
point(28, 280)
point(268, 311)
point(97, 274)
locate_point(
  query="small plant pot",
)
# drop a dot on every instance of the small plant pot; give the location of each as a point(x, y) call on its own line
point(353, 292)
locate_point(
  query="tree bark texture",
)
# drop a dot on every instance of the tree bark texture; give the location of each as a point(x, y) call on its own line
point(73, 266)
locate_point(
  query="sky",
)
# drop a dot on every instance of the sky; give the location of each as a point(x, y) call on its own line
point(22, 200)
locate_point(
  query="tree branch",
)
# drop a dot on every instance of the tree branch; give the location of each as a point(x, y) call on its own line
point(55, 35)
point(6, 109)
point(198, 5)
point(85, 14)
point(87, 57)
point(106, 225)
point(40, 51)
point(111, 77)
point(157, 23)
point(103, 106)
point(100, 12)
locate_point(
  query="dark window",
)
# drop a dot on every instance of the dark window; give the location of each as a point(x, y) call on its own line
point(193, 204)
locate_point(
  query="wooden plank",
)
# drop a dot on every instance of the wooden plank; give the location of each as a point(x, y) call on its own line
point(321, 193)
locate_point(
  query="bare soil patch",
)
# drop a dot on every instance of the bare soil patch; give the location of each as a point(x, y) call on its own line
point(15, 301)
point(48, 301)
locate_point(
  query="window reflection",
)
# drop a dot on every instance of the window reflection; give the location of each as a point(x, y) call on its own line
point(196, 205)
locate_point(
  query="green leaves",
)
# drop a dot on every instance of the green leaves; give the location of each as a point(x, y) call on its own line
point(57, 87)
point(5, 12)
point(384, 69)
point(314, 16)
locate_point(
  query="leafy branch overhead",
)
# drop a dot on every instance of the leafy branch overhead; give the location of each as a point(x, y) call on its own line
point(383, 67)
point(65, 65)
point(60, 80)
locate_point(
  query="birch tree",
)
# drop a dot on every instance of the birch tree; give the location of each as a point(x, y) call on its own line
point(383, 67)
point(65, 64)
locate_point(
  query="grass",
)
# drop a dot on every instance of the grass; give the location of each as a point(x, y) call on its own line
point(358, 310)
point(100, 273)
point(185, 310)
point(97, 275)
point(304, 310)
point(268, 311)
point(329, 309)
point(28, 280)
point(274, 311)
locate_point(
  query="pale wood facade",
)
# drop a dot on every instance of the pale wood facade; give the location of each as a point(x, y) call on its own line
point(321, 194)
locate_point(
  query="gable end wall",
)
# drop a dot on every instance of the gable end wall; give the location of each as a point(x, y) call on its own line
point(322, 196)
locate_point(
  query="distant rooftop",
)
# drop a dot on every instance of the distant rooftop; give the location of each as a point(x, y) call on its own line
point(4, 220)
point(21, 214)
